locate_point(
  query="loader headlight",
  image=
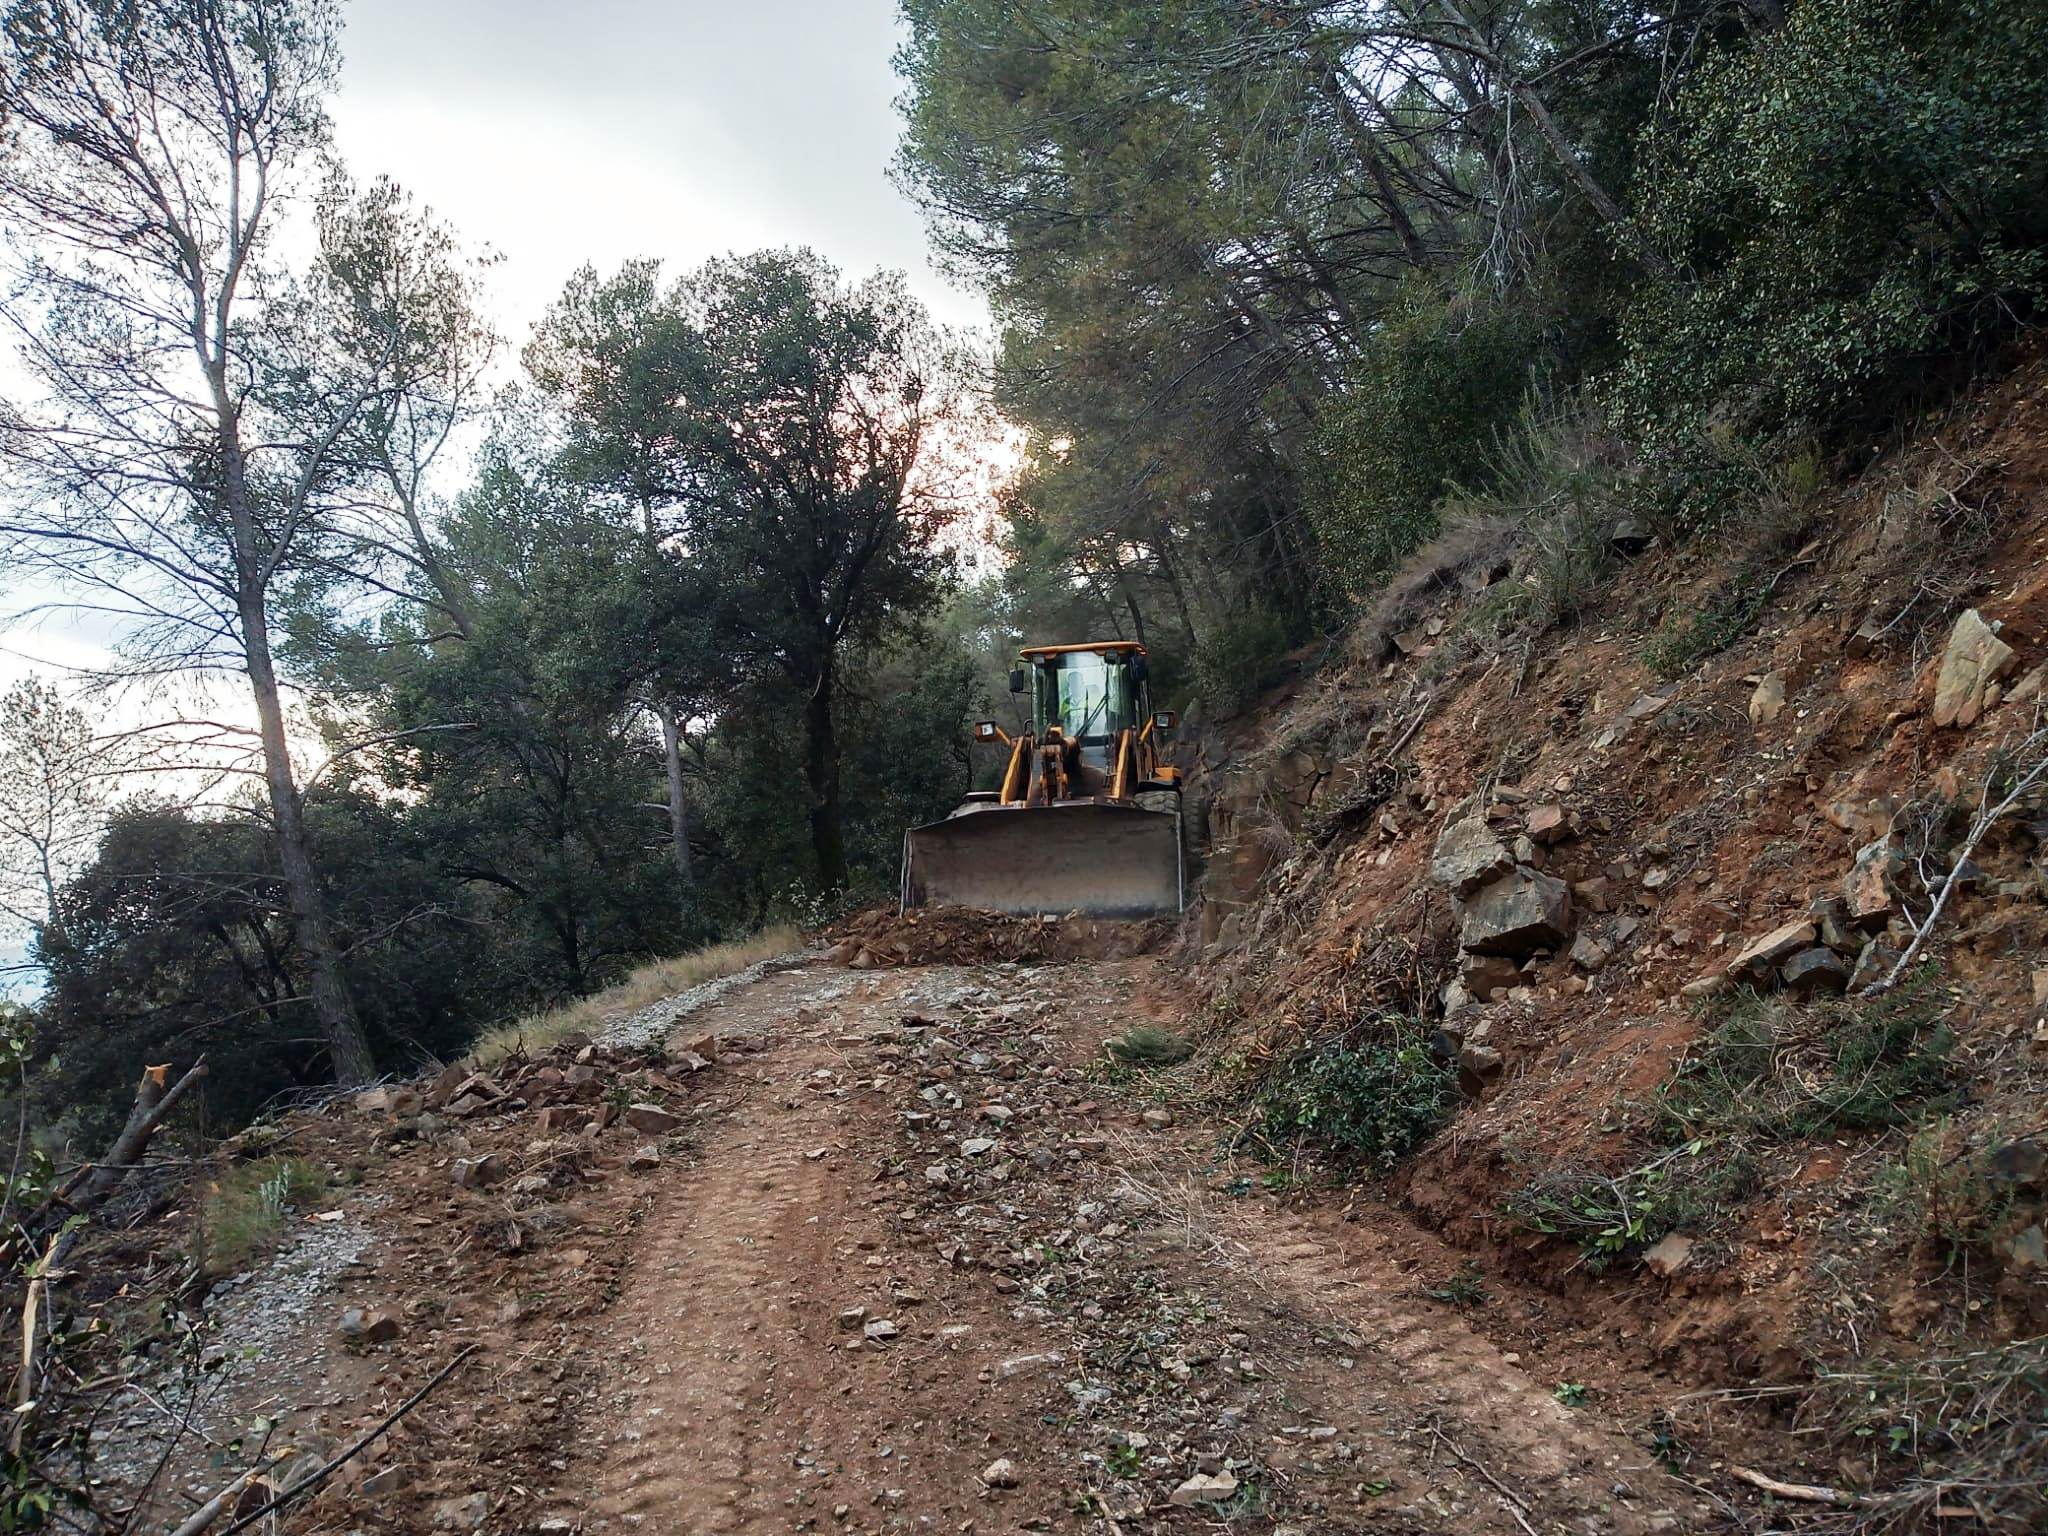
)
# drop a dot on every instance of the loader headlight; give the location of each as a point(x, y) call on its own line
point(1165, 721)
point(985, 730)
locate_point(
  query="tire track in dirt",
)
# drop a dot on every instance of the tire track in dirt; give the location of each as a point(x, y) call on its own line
point(740, 1405)
point(701, 1323)
point(745, 1406)
point(1570, 1466)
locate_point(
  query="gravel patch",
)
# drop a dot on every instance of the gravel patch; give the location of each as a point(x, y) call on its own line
point(654, 1022)
point(269, 1340)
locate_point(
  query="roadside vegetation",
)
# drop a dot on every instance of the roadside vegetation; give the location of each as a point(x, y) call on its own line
point(1766, 1072)
point(246, 1210)
point(650, 984)
point(1365, 1102)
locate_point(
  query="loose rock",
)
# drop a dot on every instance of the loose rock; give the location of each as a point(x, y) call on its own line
point(1000, 1473)
point(1468, 856)
point(1761, 958)
point(651, 1119)
point(1204, 1490)
point(1768, 702)
point(1815, 970)
point(1668, 1255)
point(1867, 888)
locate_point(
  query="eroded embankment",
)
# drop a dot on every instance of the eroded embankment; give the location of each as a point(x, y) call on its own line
point(1629, 874)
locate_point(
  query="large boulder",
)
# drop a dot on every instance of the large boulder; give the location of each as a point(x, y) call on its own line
point(1519, 913)
point(1975, 659)
point(1468, 856)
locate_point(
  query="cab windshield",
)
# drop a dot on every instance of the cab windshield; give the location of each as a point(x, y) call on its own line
point(1087, 697)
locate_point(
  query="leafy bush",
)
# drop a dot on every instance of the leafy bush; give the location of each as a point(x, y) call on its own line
point(1436, 380)
point(1611, 1216)
point(1371, 1102)
point(1852, 194)
point(1690, 635)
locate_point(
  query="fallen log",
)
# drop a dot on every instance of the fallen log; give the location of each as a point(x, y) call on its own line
point(155, 1096)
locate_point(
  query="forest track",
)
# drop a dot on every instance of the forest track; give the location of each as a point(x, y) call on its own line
point(1064, 1287)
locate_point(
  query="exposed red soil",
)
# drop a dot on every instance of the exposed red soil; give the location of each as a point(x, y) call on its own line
point(1708, 828)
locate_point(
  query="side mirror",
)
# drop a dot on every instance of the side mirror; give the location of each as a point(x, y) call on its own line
point(1139, 671)
point(985, 730)
point(1165, 721)
point(1018, 682)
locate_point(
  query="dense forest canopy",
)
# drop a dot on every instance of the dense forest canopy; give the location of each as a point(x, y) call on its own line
point(1275, 277)
point(655, 625)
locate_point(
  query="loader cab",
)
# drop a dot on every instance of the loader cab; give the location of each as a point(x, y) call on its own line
point(1089, 693)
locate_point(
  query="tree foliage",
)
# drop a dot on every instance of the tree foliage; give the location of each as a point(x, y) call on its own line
point(1275, 279)
point(1855, 197)
point(58, 779)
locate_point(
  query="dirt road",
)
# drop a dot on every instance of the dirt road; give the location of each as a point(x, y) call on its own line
point(930, 1272)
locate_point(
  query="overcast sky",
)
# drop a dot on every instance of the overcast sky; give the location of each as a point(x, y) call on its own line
point(602, 129)
point(597, 130)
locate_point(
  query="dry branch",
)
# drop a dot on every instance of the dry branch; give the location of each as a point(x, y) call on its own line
point(328, 1468)
point(1988, 815)
point(1803, 1493)
point(1820, 1493)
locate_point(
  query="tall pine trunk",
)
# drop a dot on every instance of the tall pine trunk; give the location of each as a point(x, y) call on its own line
point(671, 736)
point(821, 776)
point(331, 1007)
point(332, 1010)
point(678, 794)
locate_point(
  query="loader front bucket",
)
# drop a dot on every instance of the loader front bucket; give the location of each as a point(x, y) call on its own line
point(1099, 860)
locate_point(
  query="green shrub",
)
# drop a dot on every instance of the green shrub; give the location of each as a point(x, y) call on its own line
point(1771, 1070)
point(1689, 636)
point(1946, 1184)
point(1850, 195)
point(1437, 379)
point(1464, 1287)
point(1370, 1102)
point(1612, 1216)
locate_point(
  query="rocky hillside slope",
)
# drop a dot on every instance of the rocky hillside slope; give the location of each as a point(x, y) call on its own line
point(1729, 905)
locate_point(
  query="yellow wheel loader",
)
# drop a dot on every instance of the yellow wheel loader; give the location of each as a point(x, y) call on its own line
point(1087, 819)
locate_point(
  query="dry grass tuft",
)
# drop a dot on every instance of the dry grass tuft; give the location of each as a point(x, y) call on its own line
point(244, 1212)
point(645, 987)
point(1467, 543)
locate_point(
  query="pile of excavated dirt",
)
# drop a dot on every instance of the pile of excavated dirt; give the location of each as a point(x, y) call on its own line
point(881, 937)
